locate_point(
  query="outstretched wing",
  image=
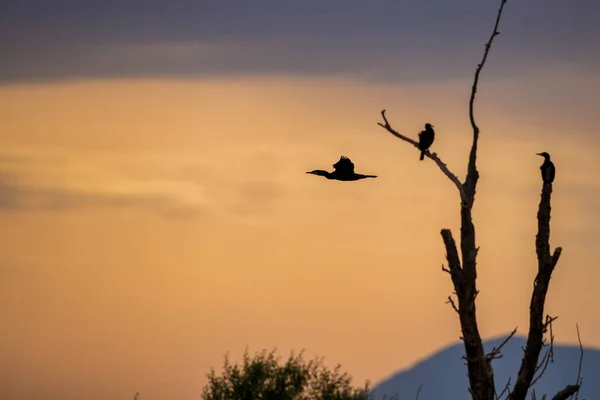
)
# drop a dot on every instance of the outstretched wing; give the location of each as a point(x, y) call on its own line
point(344, 165)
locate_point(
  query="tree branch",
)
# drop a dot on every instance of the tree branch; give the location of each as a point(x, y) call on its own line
point(452, 303)
point(495, 353)
point(566, 392)
point(443, 167)
point(451, 255)
point(505, 390)
point(419, 391)
point(472, 173)
point(479, 367)
point(481, 376)
point(549, 356)
point(579, 378)
point(537, 327)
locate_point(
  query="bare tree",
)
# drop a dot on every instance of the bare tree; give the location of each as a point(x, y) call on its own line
point(462, 268)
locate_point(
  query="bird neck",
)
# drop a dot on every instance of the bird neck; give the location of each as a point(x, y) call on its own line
point(321, 172)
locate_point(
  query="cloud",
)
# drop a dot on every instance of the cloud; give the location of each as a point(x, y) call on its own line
point(53, 180)
point(19, 197)
point(170, 186)
point(381, 40)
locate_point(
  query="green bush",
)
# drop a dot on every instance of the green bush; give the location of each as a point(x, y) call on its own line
point(264, 377)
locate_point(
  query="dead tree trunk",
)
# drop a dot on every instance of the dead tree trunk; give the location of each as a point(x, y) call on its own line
point(479, 366)
point(537, 325)
point(462, 267)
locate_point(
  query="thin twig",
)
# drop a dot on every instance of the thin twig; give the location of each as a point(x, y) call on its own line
point(495, 353)
point(579, 379)
point(433, 156)
point(549, 355)
point(488, 46)
point(419, 391)
point(548, 323)
point(472, 173)
point(573, 390)
point(506, 388)
point(452, 303)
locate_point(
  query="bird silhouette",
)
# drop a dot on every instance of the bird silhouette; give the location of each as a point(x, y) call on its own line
point(343, 171)
point(426, 138)
point(548, 169)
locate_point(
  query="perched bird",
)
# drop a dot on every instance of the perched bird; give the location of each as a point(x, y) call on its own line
point(343, 171)
point(426, 139)
point(548, 170)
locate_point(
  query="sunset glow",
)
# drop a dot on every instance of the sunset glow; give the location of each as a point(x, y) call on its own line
point(151, 224)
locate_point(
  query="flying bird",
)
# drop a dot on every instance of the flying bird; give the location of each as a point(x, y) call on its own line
point(426, 138)
point(548, 169)
point(343, 171)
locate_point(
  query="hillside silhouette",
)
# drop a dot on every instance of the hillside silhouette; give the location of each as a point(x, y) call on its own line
point(443, 374)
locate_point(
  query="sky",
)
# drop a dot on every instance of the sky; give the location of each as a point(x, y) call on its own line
point(155, 213)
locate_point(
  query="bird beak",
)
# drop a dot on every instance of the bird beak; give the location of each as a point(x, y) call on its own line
point(538, 154)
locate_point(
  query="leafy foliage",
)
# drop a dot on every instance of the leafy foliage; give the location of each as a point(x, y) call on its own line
point(264, 377)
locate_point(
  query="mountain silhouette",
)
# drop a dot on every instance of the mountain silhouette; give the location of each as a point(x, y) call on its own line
point(444, 374)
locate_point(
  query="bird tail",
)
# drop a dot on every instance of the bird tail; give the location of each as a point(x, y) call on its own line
point(422, 155)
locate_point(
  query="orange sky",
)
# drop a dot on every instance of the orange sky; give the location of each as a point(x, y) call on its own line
point(150, 226)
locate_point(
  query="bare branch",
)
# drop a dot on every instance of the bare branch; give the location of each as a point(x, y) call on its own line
point(433, 156)
point(452, 303)
point(505, 390)
point(419, 391)
point(472, 174)
point(567, 392)
point(454, 268)
point(451, 250)
point(488, 46)
point(481, 375)
point(495, 353)
point(548, 324)
point(556, 256)
point(548, 356)
point(579, 379)
point(537, 327)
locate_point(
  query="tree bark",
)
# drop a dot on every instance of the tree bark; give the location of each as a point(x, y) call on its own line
point(566, 392)
point(480, 373)
point(537, 327)
point(481, 376)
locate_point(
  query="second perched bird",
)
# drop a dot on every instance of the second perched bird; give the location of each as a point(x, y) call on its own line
point(343, 171)
point(426, 138)
point(548, 169)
